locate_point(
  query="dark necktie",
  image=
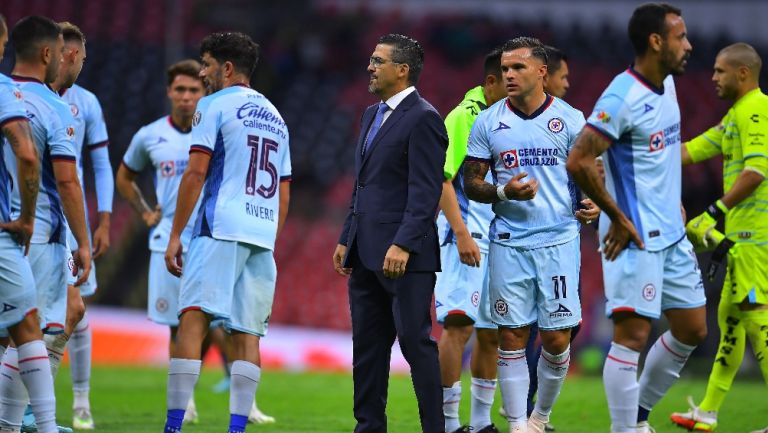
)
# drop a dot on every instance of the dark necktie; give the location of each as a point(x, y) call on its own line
point(377, 121)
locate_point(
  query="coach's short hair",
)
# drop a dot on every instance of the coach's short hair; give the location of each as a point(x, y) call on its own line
point(235, 47)
point(646, 20)
point(492, 64)
point(537, 48)
point(555, 57)
point(406, 51)
point(30, 32)
point(188, 67)
point(71, 32)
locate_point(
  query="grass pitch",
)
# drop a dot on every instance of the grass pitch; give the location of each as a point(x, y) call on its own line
point(132, 400)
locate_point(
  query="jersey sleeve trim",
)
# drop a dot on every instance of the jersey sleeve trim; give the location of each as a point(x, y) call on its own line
point(600, 131)
point(476, 159)
point(200, 148)
point(65, 158)
point(13, 119)
point(129, 168)
point(99, 144)
point(286, 179)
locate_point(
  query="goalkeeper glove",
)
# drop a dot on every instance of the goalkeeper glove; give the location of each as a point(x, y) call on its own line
point(699, 228)
point(718, 257)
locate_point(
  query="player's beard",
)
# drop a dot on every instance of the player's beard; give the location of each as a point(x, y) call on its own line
point(214, 82)
point(51, 72)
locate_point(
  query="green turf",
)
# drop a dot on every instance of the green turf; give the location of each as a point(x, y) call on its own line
point(133, 400)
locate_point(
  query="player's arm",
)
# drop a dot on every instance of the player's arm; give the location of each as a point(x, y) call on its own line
point(704, 146)
point(285, 201)
point(129, 190)
point(71, 194)
point(19, 136)
point(191, 185)
point(105, 187)
point(582, 167)
point(481, 191)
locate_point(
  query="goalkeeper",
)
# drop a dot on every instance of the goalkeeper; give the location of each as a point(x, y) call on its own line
point(742, 139)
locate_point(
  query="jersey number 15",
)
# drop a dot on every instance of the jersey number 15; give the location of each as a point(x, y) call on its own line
point(261, 164)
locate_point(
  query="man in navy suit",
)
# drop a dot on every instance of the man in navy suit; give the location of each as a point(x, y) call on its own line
point(389, 244)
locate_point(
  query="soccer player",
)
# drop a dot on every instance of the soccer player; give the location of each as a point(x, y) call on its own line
point(461, 290)
point(648, 263)
point(164, 145)
point(742, 138)
point(535, 231)
point(556, 81)
point(240, 154)
point(90, 128)
point(39, 47)
point(26, 372)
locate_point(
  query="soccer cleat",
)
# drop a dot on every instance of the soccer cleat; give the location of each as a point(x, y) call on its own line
point(488, 429)
point(190, 414)
point(537, 423)
point(695, 419)
point(463, 429)
point(644, 427)
point(82, 419)
point(255, 416)
point(29, 424)
point(502, 412)
point(549, 427)
point(765, 430)
point(518, 429)
point(9, 429)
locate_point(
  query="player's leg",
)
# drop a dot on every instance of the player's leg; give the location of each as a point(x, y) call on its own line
point(455, 310)
point(80, 348)
point(558, 310)
point(220, 339)
point(756, 322)
point(532, 354)
point(683, 302)
point(513, 296)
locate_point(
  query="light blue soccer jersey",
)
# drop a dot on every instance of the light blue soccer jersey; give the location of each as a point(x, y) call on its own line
point(53, 131)
point(11, 109)
point(643, 167)
point(166, 148)
point(248, 143)
point(90, 127)
point(512, 142)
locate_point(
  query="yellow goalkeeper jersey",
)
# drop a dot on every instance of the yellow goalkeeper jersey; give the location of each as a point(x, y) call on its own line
point(742, 139)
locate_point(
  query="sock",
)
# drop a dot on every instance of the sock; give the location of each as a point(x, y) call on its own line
point(80, 363)
point(245, 380)
point(13, 393)
point(662, 368)
point(730, 353)
point(56, 345)
point(35, 372)
point(182, 377)
point(552, 370)
point(621, 387)
point(483, 391)
point(451, 400)
point(514, 381)
point(227, 365)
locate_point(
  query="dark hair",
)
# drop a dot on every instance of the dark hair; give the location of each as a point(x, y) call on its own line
point(406, 51)
point(188, 67)
point(71, 32)
point(646, 20)
point(537, 48)
point(234, 47)
point(555, 57)
point(492, 64)
point(30, 32)
point(3, 26)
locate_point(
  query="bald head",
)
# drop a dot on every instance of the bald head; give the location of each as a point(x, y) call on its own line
point(741, 55)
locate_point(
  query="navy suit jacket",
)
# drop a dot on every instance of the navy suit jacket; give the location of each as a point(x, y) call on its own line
point(397, 189)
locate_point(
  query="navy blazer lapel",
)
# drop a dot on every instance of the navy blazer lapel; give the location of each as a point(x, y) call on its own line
point(365, 125)
point(404, 105)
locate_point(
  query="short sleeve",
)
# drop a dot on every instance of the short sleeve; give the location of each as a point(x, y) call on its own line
point(609, 117)
point(753, 131)
point(478, 145)
point(285, 161)
point(61, 135)
point(708, 144)
point(136, 157)
point(95, 126)
point(205, 126)
point(458, 123)
point(575, 128)
point(11, 103)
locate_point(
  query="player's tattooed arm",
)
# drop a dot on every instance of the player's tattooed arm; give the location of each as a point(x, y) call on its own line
point(19, 136)
point(474, 182)
point(126, 186)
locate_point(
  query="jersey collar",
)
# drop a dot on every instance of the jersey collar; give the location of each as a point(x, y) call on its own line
point(177, 127)
point(657, 90)
point(547, 102)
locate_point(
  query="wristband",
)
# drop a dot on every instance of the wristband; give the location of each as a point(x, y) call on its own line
point(717, 210)
point(501, 194)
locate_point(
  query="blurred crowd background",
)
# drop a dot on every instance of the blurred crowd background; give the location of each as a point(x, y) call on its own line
point(314, 56)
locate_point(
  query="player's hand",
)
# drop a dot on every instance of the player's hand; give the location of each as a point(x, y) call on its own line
point(469, 252)
point(699, 228)
point(589, 213)
point(395, 261)
point(338, 260)
point(100, 240)
point(21, 232)
point(82, 267)
point(173, 256)
point(620, 233)
point(713, 239)
point(517, 190)
point(152, 217)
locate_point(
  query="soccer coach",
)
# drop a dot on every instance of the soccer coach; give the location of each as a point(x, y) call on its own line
point(388, 245)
